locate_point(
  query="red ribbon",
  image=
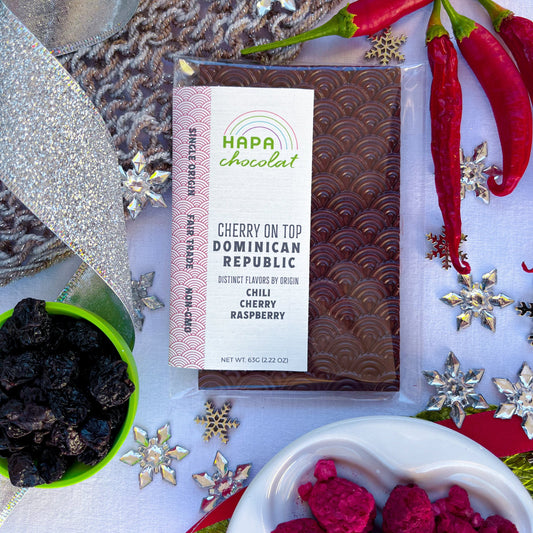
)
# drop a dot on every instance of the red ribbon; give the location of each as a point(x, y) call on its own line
point(223, 511)
point(501, 437)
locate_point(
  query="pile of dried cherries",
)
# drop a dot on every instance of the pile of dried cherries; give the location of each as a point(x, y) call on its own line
point(64, 393)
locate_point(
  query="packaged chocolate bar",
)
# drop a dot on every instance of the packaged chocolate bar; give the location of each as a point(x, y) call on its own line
point(352, 314)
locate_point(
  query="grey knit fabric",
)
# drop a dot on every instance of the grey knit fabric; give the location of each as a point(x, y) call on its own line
point(129, 79)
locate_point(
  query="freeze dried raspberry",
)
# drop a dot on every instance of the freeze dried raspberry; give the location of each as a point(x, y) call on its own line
point(456, 506)
point(339, 505)
point(325, 469)
point(305, 491)
point(450, 523)
point(497, 524)
point(300, 525)
point(408, 510)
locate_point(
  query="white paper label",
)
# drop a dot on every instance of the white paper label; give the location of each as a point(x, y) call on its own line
point(241, 228)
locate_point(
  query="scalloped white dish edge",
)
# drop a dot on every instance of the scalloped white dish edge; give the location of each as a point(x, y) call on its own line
point(379, 452)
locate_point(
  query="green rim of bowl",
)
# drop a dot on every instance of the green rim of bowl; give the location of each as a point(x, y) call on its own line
point(79, 471)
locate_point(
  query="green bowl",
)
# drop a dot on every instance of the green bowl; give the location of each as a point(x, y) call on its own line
point(79, 471)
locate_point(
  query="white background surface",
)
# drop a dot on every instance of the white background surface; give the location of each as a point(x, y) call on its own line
point(499, 236)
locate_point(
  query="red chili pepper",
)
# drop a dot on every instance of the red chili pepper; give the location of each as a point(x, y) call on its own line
point(517, 34)
point(446, 107)
point(526, 269)
point(506, 92)
point(364, 17)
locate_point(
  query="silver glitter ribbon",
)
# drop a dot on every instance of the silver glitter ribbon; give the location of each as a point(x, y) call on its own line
point(86, 289)
point(57, 156)
point(12, 496)
point(63, 26)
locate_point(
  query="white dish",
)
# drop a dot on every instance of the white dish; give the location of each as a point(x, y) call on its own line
point(379, 453)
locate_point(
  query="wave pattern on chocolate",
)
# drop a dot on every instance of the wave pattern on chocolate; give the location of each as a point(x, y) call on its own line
point(354, 311)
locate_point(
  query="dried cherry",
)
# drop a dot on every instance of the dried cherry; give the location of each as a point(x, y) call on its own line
point(33, 393)
point(39, 436)
point(52, 465)
point(70, 405)
point(91, 457)
point(59, 370)
point(32, 321)
point(63, 393)
point(34, 418)
point(16, 432)
point(67, 439)
point(96, 434)
point(85, 337)
point(5, 443)
point(115, 415)
point(110, 384)
point(9, 409)
point(8, 343)
point(23, 470)
point(18, 369)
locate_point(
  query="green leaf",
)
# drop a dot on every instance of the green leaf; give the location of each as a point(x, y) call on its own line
point(219, 527)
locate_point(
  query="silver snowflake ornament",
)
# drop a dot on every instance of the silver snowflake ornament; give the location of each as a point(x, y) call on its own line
point(154, 455)
point(519, 398)
point(138, 187)
point(455, 389)
point(386, 47)
point(264, 6)
point(525, 309)
point(474, 173)
point(477, 300)
point(223, 483)
point(217, 421)
point(141, 299)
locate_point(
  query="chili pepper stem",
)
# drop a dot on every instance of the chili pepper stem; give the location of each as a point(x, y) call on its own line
point(462, 26)
point(496, 12)
point(341, 24)
point(435, 27)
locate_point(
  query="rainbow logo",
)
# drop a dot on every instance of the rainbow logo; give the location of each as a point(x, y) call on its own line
point(262, 124)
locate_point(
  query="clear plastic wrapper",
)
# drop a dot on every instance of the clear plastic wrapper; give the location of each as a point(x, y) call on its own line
point(360, 116)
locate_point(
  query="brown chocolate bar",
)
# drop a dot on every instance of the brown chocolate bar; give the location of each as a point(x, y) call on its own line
point(354, 303)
